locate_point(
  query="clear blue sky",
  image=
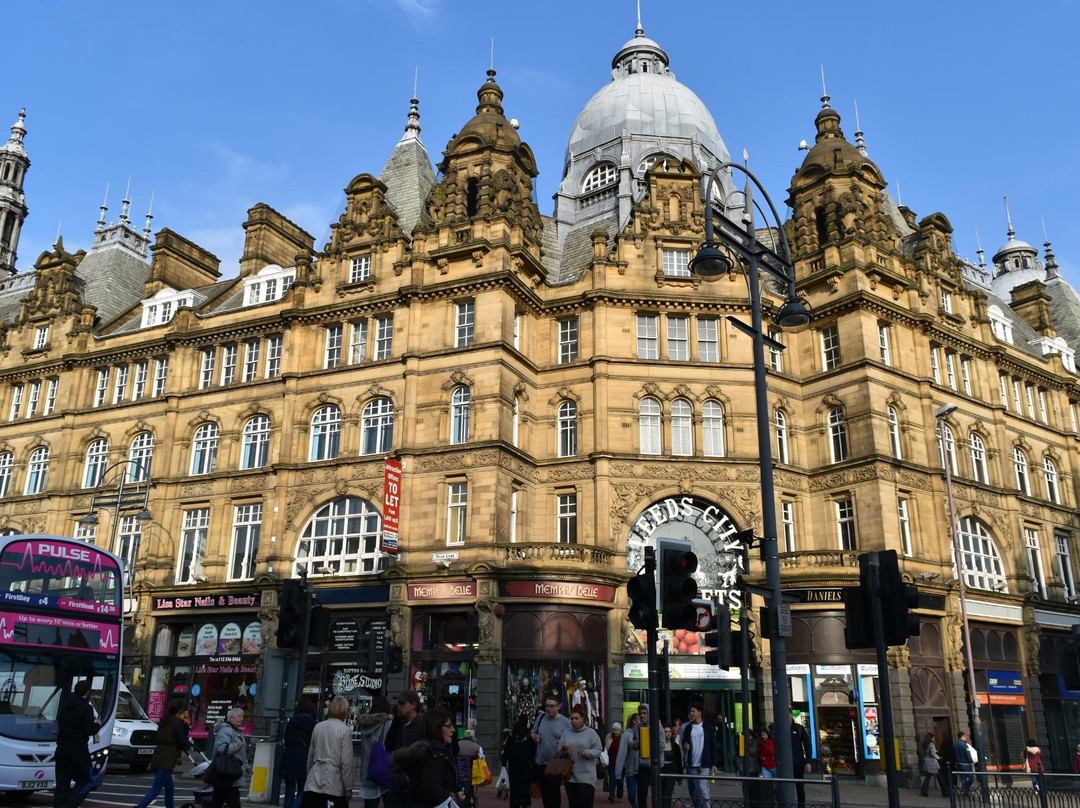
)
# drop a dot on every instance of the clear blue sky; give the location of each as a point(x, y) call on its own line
point(216, 106)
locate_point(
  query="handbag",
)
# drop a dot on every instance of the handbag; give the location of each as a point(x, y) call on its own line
point(379, 761)
point(604, 758)
point(534, 790)
point(223, 768)
point(481, 774)
point(559, 767)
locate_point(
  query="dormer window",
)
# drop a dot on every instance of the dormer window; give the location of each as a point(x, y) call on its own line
point(946, 301)
point(268, 285)
point(599, 177)
point(159, 309)
point(360, 268)
point(1000, 325)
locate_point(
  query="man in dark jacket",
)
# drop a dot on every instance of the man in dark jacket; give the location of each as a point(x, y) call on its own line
point(75, 727)
point(404, 732)
point(801, 755)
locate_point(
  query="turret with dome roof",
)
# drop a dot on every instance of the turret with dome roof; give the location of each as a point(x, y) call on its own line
point(643, 115)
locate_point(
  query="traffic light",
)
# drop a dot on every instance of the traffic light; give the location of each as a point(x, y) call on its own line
point(859, 619)
point(897, 600)
point(319, 626)
point(642, 593)
point(291, 613)
point(395, 663)
point(678, 589)
point(721, 640)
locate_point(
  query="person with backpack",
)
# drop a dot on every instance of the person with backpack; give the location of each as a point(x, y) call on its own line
point(294, 757)
point(375, 757)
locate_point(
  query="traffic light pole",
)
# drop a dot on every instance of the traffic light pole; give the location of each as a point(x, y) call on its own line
point(651, 639)
point(744, 672)
point(305, 627)
point(886, 738)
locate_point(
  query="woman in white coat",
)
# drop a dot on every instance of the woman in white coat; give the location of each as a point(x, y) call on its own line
point(330, 760)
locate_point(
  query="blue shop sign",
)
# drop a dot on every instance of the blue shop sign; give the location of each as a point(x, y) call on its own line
point(1004, 682)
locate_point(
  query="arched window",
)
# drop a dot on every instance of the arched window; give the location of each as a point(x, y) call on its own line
point(1051, 476)
point(204, 449)
point(459, 415)
point(342, 538)
point(325, 433)
point(979, 557)
point(97, 458)
point(567, 429)
point(141, 457)
point(894, 434)
point(599, 177)
point(1020, 466)
point(712, 428)
point(682, 427)
point(377, 426)
point(838, 443)
point(946, 445)
point(37, 471)
point(6, 461)
point(782, 452)
point(255, 449)
point(649, 425)
point(977, 449)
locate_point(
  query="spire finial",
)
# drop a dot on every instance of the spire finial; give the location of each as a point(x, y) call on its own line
point(824, 92)
point(979, 251)
point(899, 195)
point(1008, 219)
point(149, 215)
point(639, 31)
point(492, 65)
point(59, 225)
point(860, 144)
point(104, 206)
point(415, 80)
point(1051, 262)
point(125, 203)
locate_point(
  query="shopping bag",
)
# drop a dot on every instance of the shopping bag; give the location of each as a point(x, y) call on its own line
point(378, 770)
point(534, 790)
point(503, 783)
point(481, 774)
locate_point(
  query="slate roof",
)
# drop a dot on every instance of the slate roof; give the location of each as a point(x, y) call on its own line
point(114, 278)
point(409, 177)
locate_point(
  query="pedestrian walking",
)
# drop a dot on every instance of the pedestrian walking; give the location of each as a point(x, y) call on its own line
point(626, 765)
point(404, 732)
point(698, 744)
point(1033, 761)
point(373, 728)
point(801, 752)
point(582, 745)
point(330, 760)
point(672, 765)
point(229, 741)
point(963, 762)
point(429, 766)
point(644, 770)
point(612, 744)
point(931, 766)
point(75, 726)
point(171, 739)
point(767, 753)
point(518, 756)
point(547, 731)
point(294, 755)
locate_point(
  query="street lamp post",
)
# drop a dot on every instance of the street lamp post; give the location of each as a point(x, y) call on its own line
point(131, 493)
point(941, 413)
point(715, 258)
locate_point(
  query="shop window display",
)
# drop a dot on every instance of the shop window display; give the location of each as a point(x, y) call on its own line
point(837, 719)
point(573, 683)
point(443, 669)
point(211, 666)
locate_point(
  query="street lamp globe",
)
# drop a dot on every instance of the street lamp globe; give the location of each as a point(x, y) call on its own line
point(710, 261)
point(794, 315)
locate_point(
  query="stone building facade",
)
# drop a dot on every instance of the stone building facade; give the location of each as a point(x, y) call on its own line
point(560, 391)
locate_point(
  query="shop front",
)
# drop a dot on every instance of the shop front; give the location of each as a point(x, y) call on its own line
point(206, 652)
point(1060, 704)
point(1002, 695)
point(444, 636)
point(555, 645)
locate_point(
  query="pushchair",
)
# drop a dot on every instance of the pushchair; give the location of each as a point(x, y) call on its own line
point(203, 794)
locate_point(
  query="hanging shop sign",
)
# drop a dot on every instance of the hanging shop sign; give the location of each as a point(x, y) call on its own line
point(572, 590)
point(817, 595)
point(442, 590)
point(639, 671)
point(240, 600)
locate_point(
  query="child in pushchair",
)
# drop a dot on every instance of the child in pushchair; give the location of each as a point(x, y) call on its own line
point(202, 794)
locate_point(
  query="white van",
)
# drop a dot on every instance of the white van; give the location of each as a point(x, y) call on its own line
point(134, 734)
